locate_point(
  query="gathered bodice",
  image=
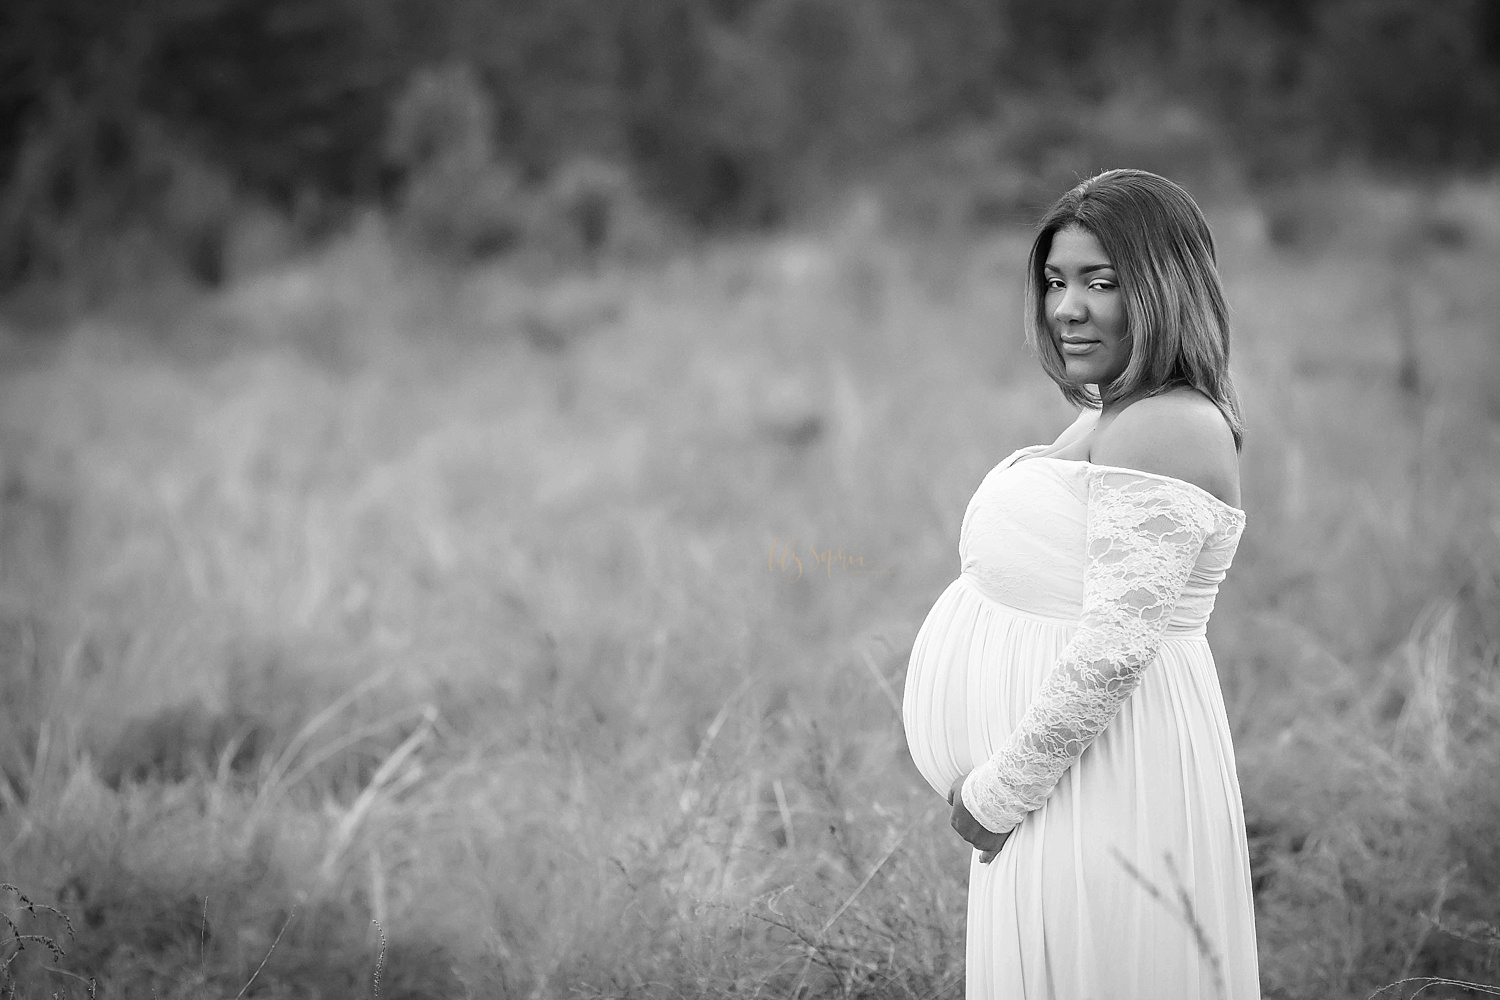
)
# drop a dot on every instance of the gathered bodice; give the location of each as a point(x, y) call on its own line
point(1023, 540)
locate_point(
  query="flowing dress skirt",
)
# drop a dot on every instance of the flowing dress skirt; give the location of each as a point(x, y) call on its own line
point(1132, 881)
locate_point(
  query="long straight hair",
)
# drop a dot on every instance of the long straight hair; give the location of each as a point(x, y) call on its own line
point(1175, 312)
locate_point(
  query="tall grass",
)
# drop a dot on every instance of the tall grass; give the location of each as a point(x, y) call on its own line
point(557, 626)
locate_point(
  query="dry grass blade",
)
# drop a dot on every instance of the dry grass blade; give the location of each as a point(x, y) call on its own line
point(1433, 920)
point(785, 813)
point(90, 982)
point(284, 925)
point(1431, 981)
point(1187, 914)
point(382, 778)
point(310, 729)
point(338, 746)
point(885, 685)
point(900, 839)
point(686, 798)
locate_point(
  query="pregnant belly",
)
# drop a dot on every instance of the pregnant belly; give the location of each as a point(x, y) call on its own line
point(975, 666)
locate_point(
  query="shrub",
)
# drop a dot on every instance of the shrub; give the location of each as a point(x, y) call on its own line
point(457, 197)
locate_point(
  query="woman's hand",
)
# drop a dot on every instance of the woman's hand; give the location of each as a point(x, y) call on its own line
point(986, 843)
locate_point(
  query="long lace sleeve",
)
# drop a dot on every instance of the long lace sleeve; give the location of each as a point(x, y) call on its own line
point(1144, 534)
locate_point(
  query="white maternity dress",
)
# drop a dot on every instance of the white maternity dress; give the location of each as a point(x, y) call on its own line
point(1067, 672)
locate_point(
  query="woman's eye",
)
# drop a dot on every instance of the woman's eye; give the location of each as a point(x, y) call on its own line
point(1104, 285)
point(1053, 284)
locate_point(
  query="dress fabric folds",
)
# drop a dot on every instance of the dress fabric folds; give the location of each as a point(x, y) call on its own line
point(1127, 874)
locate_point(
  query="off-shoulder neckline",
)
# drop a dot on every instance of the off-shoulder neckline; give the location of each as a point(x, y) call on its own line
point(1012, 461)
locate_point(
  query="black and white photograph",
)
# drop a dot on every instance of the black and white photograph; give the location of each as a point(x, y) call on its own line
point(749, 500)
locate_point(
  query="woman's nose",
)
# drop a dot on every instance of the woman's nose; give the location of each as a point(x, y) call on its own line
point(1070, 307)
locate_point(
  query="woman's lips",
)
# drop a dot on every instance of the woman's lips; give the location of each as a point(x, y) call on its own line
point(1078, 346)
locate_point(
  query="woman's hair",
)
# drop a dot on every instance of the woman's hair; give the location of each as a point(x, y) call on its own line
point(1160, 245)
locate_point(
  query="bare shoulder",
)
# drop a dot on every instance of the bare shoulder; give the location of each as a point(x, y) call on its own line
point(1180, 434)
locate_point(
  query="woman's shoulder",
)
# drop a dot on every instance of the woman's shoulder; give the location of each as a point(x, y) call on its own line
point(1180, 434)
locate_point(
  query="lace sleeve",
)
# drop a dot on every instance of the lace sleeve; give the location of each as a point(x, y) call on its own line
point(1144, 535)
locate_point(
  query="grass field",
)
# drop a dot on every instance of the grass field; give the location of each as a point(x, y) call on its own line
point(511, 636)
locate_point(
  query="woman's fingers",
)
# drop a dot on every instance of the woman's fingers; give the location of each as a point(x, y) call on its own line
point(970, 829)
point(989, 846)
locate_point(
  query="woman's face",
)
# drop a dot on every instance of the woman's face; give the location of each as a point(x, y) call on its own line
point(1085, 309)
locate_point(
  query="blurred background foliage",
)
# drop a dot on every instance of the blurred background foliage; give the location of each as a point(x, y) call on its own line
point(213, 130)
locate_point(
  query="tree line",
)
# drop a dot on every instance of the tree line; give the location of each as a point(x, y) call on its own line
point(134, 116)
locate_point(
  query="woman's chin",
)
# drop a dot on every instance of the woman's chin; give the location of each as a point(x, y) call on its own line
point(1084, 372)
point(1080, 375)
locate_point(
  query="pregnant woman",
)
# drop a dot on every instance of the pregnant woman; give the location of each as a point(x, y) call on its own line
point(1061, 692)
